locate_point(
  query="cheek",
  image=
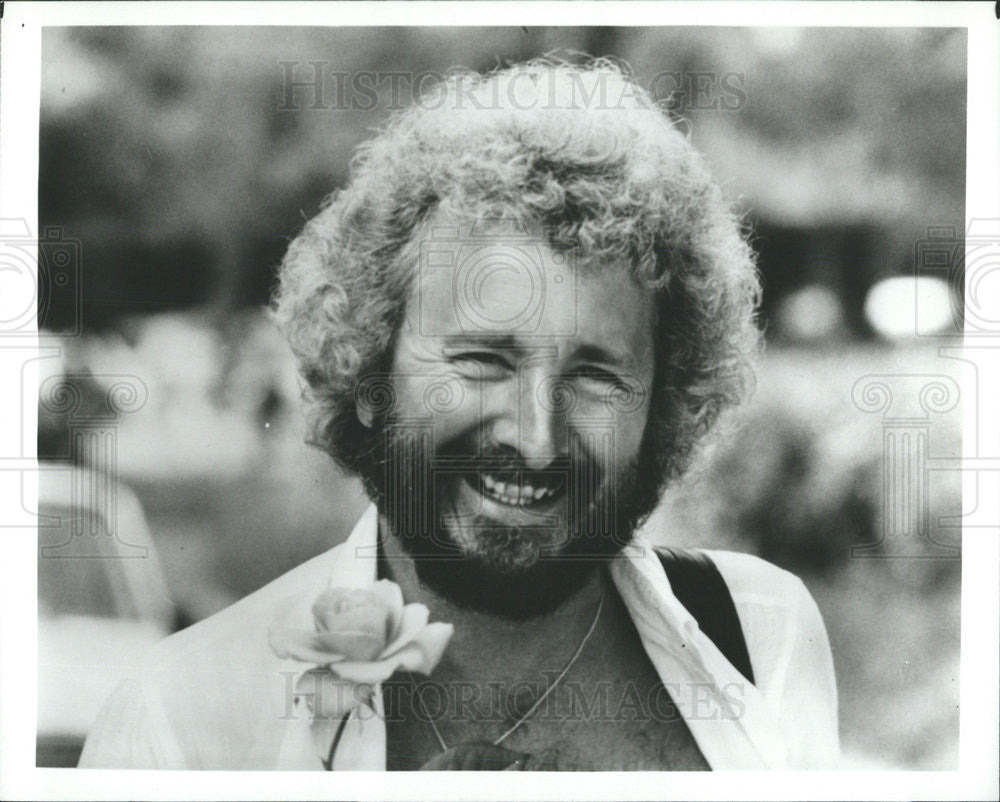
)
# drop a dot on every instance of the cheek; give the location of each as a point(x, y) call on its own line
point(444, 404)
point(630, 429)
point(616, 442)
point(639, 432)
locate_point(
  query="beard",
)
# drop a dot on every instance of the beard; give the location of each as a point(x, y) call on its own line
point(514, 569)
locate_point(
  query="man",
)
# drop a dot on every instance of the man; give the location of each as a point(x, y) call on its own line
point(515, 326)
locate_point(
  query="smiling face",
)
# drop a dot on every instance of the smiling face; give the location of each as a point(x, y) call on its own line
point(522, 387)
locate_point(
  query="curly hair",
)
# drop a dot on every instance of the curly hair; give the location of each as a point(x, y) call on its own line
point(584, 152)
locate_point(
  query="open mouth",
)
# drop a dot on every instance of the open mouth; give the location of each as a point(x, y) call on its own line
point(518, 489)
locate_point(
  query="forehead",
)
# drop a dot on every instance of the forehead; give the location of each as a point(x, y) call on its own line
point(493, 283)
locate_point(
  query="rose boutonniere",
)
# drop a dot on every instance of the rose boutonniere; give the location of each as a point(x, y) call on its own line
point(361, 636)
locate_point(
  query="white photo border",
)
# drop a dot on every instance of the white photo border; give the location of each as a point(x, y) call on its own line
point(19, 119)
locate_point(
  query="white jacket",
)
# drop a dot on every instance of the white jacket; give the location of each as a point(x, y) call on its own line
point(215, 696)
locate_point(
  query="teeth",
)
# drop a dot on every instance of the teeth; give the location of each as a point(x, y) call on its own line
point(515, 495)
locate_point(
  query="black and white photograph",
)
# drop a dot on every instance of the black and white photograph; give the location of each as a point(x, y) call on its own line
point(393, 390)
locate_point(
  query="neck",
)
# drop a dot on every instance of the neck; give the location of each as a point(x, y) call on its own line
point(486, 646)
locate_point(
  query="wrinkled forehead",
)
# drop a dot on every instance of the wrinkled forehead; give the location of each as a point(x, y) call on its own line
point(511, 236)
point(504, 281)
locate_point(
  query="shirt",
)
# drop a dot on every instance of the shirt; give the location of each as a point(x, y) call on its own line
point(214, 696)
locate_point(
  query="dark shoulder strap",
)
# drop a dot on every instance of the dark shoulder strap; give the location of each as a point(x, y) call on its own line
point(699, 586)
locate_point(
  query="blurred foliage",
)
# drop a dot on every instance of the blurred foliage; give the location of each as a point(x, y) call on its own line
point(797, 475)
point(172, 155)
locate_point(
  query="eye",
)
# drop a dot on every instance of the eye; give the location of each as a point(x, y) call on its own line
point(483, 357)
point(598, 374)
point(486, 363)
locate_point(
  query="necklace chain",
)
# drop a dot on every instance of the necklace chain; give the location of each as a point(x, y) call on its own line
point(538, 702)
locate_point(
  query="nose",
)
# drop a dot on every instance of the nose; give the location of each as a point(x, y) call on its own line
point(531, 421)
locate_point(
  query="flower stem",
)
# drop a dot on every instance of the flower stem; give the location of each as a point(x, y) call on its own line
point(328, 763)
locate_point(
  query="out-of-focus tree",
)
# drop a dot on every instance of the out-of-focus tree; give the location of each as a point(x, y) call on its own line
point(183, 160)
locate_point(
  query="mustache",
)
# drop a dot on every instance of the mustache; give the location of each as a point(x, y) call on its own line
point(413, 449)
point(507, 464)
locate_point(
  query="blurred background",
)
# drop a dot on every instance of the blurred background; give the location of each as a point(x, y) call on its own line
point(176, 164)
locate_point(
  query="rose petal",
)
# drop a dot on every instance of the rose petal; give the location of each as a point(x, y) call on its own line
point(303, 645)
point(421, 654)
point(380, 670)
point(432, 640)
point(369, 672)
point(354, 610)
point(353, 645)
point(392, 597)
point(414, 619)
point(330, 697)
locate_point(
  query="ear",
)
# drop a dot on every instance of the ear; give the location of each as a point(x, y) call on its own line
point(366, 416)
